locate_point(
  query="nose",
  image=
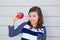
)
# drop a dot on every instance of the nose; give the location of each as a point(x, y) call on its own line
point(31, 18)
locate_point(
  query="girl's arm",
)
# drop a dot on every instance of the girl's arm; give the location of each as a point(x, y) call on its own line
point(13, 32)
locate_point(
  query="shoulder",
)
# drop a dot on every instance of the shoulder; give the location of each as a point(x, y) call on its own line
point(43, 28)
point(24, 23)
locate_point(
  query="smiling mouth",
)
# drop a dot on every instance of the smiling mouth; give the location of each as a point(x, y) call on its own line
point(32, 20)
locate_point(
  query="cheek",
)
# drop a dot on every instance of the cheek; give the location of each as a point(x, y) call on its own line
point(36, 19)
point(29, 18)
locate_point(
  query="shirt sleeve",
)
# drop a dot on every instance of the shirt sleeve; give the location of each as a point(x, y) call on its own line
point(13, 32)
point(44, 34)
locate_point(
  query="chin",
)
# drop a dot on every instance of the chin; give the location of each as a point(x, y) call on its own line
point(32, 23)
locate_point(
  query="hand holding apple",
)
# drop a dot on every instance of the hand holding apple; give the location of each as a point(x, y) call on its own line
point(20, 15)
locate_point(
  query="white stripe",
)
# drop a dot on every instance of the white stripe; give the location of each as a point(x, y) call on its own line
point(42, 31)
point(27, 26)
point(33, 29)
point(28, 36)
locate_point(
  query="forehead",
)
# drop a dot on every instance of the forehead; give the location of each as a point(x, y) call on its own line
point(33, 13)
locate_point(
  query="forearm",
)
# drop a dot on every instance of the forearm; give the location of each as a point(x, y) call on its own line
point(11, 31)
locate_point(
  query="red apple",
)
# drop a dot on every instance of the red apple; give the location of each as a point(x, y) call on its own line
point(20, 15)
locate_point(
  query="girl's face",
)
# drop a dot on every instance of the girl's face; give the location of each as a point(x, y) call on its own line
point(33, 17)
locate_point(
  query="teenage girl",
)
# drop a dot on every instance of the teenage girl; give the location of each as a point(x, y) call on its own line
point(33, 29)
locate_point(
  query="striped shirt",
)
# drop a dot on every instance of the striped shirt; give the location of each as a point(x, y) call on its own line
point(27, 32)
point(31, 34)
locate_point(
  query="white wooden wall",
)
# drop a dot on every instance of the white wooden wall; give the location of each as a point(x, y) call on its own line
point(50, 9)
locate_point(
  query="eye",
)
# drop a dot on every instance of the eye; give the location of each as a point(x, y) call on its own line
point(29, 15)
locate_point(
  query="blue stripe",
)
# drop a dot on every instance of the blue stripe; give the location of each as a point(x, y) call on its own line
point(23, 39)
point(30, 32)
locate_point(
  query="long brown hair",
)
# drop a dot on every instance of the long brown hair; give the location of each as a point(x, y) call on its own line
point(40, 19)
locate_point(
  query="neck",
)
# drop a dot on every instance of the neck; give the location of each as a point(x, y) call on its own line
point(34, 25)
